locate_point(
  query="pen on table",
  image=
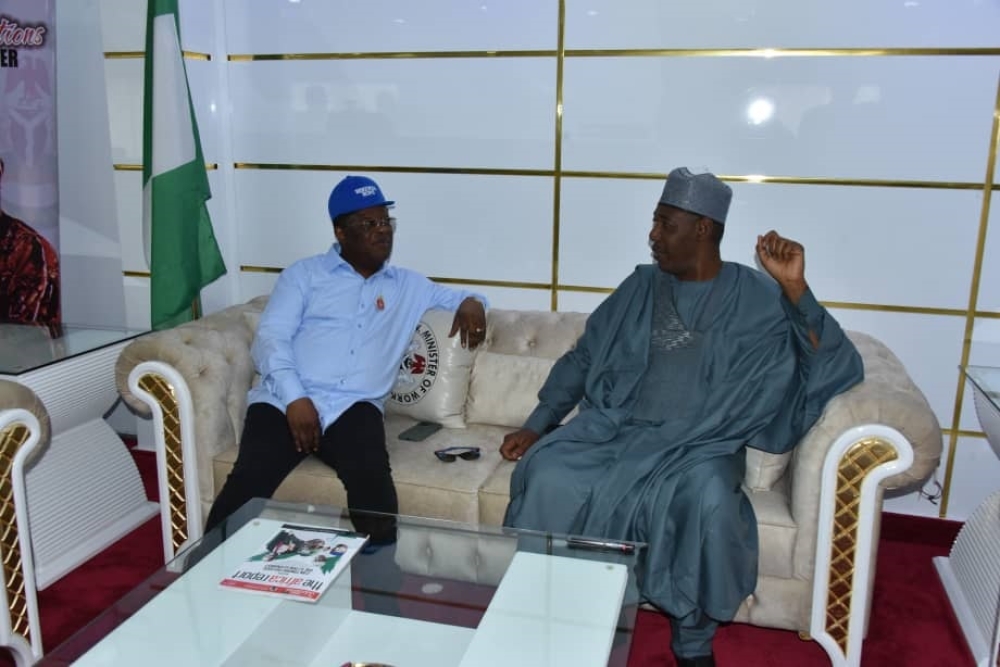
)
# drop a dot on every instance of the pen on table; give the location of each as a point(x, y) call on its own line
point(599, 545)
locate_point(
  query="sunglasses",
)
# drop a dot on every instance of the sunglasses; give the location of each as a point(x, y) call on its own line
point(449, 454)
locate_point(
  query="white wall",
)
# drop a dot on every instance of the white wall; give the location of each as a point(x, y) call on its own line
point(882, 151)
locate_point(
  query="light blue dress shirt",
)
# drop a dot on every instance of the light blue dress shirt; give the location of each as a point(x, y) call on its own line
point(338, 338)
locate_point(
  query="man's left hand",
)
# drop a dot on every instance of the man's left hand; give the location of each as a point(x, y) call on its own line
point(785, 260)
point(470, 320)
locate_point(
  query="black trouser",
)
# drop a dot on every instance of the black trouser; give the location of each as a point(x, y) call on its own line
point(353, 445)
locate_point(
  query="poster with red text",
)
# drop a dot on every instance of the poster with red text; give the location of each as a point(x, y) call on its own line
point(29, 170)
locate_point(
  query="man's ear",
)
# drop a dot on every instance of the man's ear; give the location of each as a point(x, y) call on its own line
point(703, 227)
point(338, 233)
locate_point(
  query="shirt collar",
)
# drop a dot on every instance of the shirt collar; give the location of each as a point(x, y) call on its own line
point(335, 262)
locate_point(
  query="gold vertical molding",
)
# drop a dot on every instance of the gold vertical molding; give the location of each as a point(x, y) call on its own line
point(12, 438)
point(160, 389)
point(970, 315)
point(557, 161)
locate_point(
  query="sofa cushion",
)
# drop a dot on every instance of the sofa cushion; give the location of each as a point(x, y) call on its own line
point(504, 388)
point(434, 375)
point(765, 469)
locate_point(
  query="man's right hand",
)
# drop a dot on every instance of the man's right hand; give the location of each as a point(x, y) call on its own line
point(303, 420)
point(517, 443)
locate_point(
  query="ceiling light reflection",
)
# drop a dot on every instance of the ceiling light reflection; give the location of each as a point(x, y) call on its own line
point(760, 111)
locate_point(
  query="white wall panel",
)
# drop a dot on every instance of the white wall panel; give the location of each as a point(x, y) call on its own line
point(137, 303)
point(579, 302)
point(513, 298)
point(128, 196)
point(930, 346)
point(197, 18)
point(604, 229)
point(422, 112)
point(204, 85)
point(989, 279)
point(254, 284)
point(613, 24)
point(836, 117)
point(862, 244)
point(124, 88)
point(279, 26)
point(123, 25)
point(458, 226)
point(975, 476)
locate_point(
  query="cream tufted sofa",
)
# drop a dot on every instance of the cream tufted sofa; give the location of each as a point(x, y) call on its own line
point(817, 508)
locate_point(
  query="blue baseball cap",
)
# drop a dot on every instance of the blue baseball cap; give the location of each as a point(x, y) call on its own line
point(354, 193)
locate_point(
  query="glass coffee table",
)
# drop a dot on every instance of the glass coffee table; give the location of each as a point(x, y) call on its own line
point(445, 594)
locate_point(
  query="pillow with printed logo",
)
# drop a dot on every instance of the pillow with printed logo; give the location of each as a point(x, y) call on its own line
point(433, 377)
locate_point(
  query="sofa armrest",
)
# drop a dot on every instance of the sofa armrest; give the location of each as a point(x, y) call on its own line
point(886, 397)
point(24, 433)
point(881, 434)
point(193, 379)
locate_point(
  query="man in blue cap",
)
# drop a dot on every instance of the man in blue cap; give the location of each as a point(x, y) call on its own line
point(687, 363)
point(328, 348)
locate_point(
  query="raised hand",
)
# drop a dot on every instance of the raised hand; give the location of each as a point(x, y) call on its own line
point(785, 260)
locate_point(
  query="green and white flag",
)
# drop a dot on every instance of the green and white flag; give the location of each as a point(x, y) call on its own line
point(181, 250)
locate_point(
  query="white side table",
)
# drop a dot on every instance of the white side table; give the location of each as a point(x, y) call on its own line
point(83, 491)
point(971, 572)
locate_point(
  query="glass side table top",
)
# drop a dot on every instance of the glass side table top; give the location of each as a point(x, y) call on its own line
point(26, 347)
point(445, 594)
point(987, 380)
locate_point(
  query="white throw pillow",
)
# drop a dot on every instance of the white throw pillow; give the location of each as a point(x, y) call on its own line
point(504, 388)
point(433, 378)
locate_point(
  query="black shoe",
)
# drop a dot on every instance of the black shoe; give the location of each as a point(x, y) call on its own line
point(699, 661)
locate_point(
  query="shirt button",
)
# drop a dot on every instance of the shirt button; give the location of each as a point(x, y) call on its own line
point(352, 352)
point(359, 325)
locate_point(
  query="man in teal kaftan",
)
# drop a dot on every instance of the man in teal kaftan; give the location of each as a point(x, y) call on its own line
point(687, 363)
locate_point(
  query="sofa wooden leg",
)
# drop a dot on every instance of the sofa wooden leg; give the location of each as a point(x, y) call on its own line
point(805, 636)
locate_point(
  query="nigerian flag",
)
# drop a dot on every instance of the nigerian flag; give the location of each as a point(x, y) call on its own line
point(180, 246)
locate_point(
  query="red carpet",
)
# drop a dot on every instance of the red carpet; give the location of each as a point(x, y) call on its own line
point(911, 623)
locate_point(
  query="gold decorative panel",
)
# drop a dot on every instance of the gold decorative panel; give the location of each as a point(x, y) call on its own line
point(12, 438)
point(161, 390)
point(860, 459)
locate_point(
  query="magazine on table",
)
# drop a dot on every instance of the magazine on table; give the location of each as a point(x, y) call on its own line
point(298, 562)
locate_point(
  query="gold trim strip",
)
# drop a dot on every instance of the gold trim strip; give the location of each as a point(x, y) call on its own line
point(390, 55)
point(624, 175)
point(557, 159)
point(250, 268)
point(590, 289)
point(136, 274)
point(782, 52)
point(970, 318)
point(561, 52)
point(491, 283)
point(475, 171)
point(136, 55)
point(889, 308)
point(962, 433)
point(122, 166)
point(987, 314)
point(794, 180)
